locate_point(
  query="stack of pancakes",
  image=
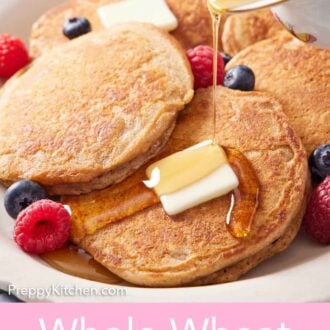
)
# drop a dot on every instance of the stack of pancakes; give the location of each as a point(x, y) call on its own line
point(89, 115)
point(195, 27)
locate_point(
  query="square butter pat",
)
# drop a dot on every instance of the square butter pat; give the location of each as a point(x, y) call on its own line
point(145, 11)
point(218, 183)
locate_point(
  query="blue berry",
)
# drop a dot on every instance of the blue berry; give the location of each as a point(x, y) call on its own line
point(22, 194)
point(240, 77)
point(76, 26)
point(226, 58)
point(319, 163)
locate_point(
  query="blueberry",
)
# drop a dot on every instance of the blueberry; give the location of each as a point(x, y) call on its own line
point(21, 194)
point(76, 26)
point(240, 77)
point(319, 163)
point(226, 58)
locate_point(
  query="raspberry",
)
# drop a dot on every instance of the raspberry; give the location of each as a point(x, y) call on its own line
point(13, 55)
point(43, 226)
point(317, 218)
point(201, 61)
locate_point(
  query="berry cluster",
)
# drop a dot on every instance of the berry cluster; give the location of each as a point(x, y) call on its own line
point(42, 225)
point(240, 77)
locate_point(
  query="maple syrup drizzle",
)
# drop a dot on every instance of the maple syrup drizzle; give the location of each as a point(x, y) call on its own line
point(244, 199)
point(216, 20)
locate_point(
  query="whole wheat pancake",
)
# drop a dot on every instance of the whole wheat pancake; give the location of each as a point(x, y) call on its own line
point(243, 30)
point(89, 113)
point(234, 272)
point(152, 249)
point(194, 28)
point(47, 30)
point(195, 24)
point(298, 75)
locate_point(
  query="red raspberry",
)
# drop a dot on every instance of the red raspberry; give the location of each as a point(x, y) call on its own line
point(317, 218)
point(201, 61)
point(43, 226)
point(13, 55)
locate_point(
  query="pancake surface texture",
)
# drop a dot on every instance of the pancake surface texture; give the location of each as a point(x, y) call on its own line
point(150, 248)
point(89, 113)
point(243, 30)
point(234, 272)
point(194, 20)
point(47, 30)
point(298, 75)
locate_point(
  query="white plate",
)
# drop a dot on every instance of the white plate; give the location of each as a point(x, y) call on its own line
point(301, 274)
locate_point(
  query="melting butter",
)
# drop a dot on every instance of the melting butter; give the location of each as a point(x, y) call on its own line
point(186, 167)
point(191, 177)
point(219, 183)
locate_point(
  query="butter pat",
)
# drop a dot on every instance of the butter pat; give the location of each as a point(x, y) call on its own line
point(191, 177)
point(219, 183)
point(145, 11)
point(185, 167)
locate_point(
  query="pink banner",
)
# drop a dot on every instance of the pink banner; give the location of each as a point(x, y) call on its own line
point(164, 317)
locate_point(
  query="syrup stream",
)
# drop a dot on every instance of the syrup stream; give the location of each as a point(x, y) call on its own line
point(216, 20)
point(244, 200)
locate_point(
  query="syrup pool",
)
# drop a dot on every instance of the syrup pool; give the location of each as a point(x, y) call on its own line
point(75, 261)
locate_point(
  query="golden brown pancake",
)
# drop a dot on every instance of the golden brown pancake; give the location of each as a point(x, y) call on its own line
point(47, 30)
point(243, 30)
point(150, 248)
point(91, 112)
point(299, 76)
point(194, 23)
point(235, 272)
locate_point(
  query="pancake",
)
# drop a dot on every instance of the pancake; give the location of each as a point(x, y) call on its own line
point(47, 30)
point(149, 248)
point(194, 28)
point(298, 75)
point(195, 24)
point(236, 271)
point(89, 113)
point(243, 30)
